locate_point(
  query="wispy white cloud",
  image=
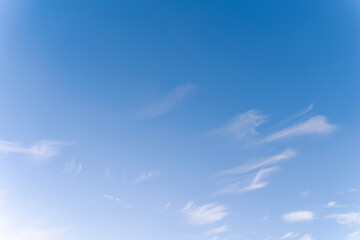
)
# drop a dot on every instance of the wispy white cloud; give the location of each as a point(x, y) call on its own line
point(171, 100)
point(258, 182)
point(290, 235)
point(216, 231)
point(305, 194)
point(334, 204)
point(42, 149)
point(73, 166)
point(208, 213)
point(146, 176)
point(115, 199)
point(299, 114)
point(242, 125)
point(261, 163)
point(110, 197)
point(165, 207)
point(315, 125)
point(354, 236)
point(306, 237)
point(352, 218)
point(299, 216)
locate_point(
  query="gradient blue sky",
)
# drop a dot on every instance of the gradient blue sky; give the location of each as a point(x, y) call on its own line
point(199, 120)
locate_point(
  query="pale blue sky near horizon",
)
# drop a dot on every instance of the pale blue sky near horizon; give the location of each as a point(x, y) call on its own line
point(200, 120)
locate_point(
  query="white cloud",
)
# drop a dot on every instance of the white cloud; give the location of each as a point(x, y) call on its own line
point(257, 182)
point(73, 166)
point(334, 204)
point(110, 197)
point(305, 194)
point(290, 235)
point(242, 125)
point(165, 207)
point(306, 237)
point(331, 204)
point(315, 125)
point(146, 176)
point(347, 218)
point(208, 213)
point(168, 102)
point(216, 231)
point(354, 236)
point(115, 199)
point(298, 216)
point(262, 163)
point(42, 149)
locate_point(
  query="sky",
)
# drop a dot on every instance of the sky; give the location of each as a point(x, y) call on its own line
point(196, 120)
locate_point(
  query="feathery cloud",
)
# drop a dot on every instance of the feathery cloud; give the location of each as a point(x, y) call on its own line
point(299, 216)
point(208, 213)
point(168, 102)
point(290, 235)
point(258, 182)
point(242, 125)
point(306, 237)
point(347, 218)
point(334, 204)
point(146, 176)
point(110, 197)
point(315, 125)
point(216, 231)
point(73, 166)
point(262, 163)
point(165, 207)
point(41, 149)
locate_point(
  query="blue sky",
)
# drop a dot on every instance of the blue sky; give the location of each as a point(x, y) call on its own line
point(199, 120)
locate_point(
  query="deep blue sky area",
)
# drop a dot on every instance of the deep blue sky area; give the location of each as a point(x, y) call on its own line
point(199, 120)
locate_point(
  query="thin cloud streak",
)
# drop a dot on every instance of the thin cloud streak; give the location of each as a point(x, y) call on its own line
point(290, 235)
point(205, 214)
point(262, 163)
point(42, 149)
point(168, 102)
point(306, 237)
point(315, 125)
point(256, 184)
point(216, 231)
